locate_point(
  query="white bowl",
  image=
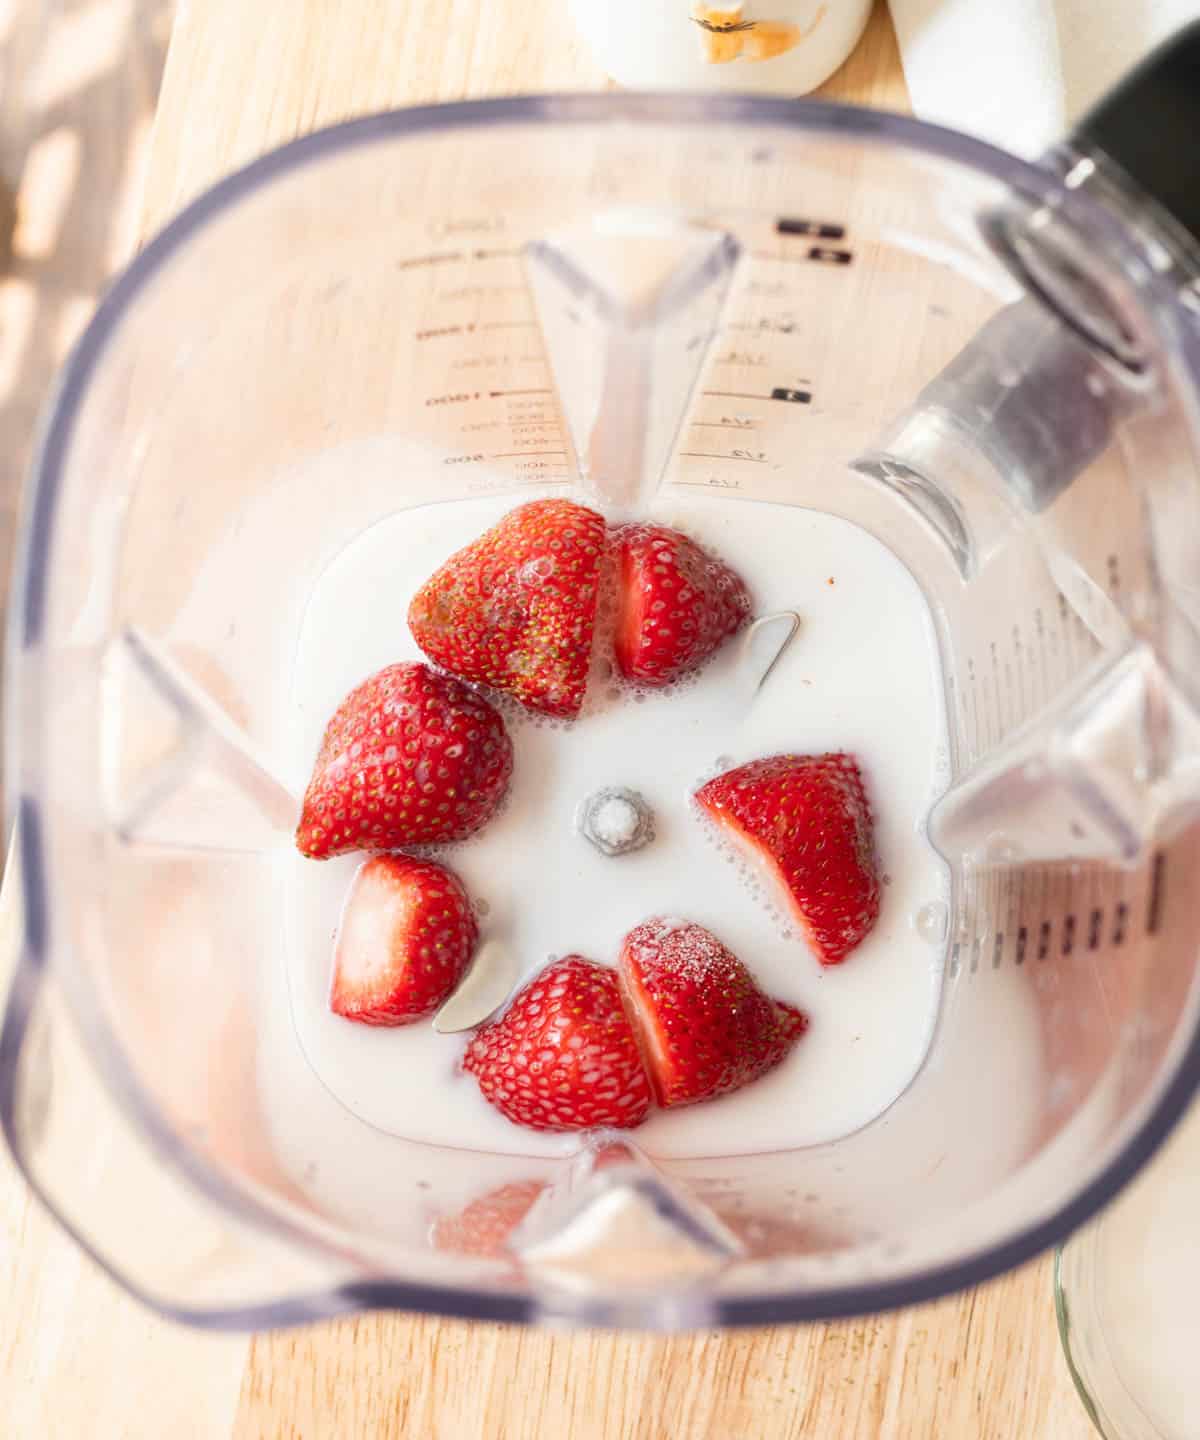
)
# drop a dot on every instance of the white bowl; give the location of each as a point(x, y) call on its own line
point(779, 47)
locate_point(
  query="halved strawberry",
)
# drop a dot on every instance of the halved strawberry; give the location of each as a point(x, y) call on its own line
point(411, 757)
point(405, 941)
point(484, 1226)
point(517, 608)
point(792, 1024)
point(676, 603)
point(806, 817)
point(705, 1026)
point(563, 1056)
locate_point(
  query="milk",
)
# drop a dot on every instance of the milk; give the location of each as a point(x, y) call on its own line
point(861, 675)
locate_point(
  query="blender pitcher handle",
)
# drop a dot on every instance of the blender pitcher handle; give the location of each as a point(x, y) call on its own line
point(984, 440)
point(1146, 132)
point(1137, 152)
point(1014, 420)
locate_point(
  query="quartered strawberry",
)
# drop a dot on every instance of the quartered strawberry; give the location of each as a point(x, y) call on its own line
point(517, 608)
point(705, 1026)
point(806, 817)
point(792, 1024)
point(411, 757)
point(484, 1226)
point(405, 941)
point(563, 1056)
point(676, 604)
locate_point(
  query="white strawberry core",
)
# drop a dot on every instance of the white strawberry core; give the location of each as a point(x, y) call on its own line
point(377, 915)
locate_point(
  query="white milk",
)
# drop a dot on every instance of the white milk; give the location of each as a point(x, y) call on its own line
point(862, 675)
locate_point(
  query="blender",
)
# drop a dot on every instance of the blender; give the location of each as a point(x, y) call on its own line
point(987, 365)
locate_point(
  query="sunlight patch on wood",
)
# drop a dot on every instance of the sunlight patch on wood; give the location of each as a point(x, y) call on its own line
point(51, 171)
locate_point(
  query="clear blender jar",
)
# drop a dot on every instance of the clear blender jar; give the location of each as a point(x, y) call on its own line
point(989, 366)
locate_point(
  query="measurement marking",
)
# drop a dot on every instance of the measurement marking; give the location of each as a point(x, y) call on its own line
point(824, 253)
point(709, 455)
point(1068, 943)
point(829, 255)
point(486, 487)
point(1013, 889)
point(1154, 908)
point(975, 949)
point(997, 949)
point(823, 231)
point(495, 254)
point(513, 454)
point(1094, 925)
point(429, 259)
point(765, 326)
point(973, 691)
point(711, 484)
point(723, 425)
point(1044, 940)
point(496, 394)
point(1119, 926)
point(1011, 695)
point(1022, 941)
point(998, 690)
point(794, 397)
point(991, 703)
point(1064, 621)
point(1023, 705)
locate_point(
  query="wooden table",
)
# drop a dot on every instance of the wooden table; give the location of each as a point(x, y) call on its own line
point(78, 1360)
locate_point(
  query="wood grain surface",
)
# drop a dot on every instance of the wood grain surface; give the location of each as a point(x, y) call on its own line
point(78, 1359)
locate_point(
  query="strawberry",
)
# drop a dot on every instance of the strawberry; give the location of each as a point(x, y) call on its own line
point(516, 609)
point(405, 941)
point(806, 817)
point(705, 1026)
point(792, 1024)
point(563, 1056)
point(676, 604)
point(484, 1226)
point(410, 758)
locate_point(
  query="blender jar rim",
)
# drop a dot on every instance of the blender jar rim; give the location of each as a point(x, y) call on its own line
point(1030, 182)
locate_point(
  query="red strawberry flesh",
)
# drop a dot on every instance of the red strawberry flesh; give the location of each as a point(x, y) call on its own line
point(563, 1056)
point(705, 1026)
point(410, 757)
point(807, 818)
point(484, 1226)
point(405, 941)
point(677, 604)
point(516, 609)
point(792, 1024)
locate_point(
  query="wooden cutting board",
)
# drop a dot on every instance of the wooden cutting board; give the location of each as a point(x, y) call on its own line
point(78, 1359)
